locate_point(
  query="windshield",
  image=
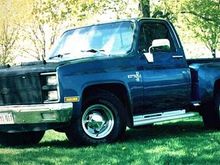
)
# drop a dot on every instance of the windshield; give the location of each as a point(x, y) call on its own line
point(97, 40)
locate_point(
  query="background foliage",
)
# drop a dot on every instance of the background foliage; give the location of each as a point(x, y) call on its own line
point(29, 28)
point(204, 21)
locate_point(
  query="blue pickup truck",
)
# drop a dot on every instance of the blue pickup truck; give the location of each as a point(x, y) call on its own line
point(102, 78)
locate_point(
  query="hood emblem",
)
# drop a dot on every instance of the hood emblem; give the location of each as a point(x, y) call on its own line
point(4, 91)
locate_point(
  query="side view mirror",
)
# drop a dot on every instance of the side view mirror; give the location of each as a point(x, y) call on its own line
point(156, 43)
point(160, 42)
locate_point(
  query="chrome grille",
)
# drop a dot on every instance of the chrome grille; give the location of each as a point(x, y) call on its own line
point(20, 89)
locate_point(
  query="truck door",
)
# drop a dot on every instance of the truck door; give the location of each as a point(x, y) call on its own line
point(166, 80)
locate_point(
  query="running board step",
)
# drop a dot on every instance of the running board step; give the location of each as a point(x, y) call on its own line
point(159, 117)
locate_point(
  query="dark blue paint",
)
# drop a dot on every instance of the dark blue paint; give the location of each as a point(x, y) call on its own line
point(165, 85)
point(205, 75)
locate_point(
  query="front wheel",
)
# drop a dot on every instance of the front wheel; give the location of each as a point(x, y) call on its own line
point(101, 120)
point(98, 121)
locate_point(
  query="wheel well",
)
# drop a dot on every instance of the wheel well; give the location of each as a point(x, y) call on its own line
point(118, 90)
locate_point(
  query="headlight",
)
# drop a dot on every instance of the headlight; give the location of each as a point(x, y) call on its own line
point(50, 91)
point(52, 96)
point(51, 80)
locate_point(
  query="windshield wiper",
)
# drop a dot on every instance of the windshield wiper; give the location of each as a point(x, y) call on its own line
point(99, 52)
point(93, 50)
point(59, 55)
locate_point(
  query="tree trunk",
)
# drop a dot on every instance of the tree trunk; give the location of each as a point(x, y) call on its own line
point(145, 7)
point(213, 52)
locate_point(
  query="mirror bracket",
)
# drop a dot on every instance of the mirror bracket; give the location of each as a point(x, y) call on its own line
point(149, 56)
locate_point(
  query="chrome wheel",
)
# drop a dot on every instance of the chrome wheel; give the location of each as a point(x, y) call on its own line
point(101, 120)
point(98, 121)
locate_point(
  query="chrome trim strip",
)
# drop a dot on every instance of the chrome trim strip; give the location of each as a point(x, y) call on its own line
point(35, 107)
point(58, 87)
point(196, 103)
point(178, 56)
point(149, 119)
point(48, 73)
point(40, 113)
point(167, 85)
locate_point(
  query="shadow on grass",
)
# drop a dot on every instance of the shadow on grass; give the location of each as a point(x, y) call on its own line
point(57, 144)
point(170, 130)
point(179, 129)
point(167, 130)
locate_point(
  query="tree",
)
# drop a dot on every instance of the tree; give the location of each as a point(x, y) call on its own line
point(145, 7)
point(114, 9)
point(12, 14)
point(169, 10)
point(8, 38)
point(8, 34)
point(49, 19)
point(204, 21)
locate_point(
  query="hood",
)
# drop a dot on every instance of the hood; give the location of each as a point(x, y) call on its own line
point(43, 66)
point(30, 67)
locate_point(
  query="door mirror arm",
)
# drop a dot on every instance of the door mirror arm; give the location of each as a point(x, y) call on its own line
point(149, 55)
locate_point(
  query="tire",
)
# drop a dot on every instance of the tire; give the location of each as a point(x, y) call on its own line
point(101, 120)
point(211, 113)
point(21, 138)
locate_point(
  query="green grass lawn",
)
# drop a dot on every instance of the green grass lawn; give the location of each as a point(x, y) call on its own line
point(177, 142)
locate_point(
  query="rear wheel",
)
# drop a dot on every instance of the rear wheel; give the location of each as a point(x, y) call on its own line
point(101, 120)
point(211, 113)
point(21, 138)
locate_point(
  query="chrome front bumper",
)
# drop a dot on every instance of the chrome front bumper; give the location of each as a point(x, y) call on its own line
point(35, 114)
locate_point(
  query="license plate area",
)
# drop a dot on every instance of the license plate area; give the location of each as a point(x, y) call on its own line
point(6, 118)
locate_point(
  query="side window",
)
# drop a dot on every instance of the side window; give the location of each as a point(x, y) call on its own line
point(151, 31)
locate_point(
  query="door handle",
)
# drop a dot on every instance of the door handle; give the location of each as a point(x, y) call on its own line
point(177, 56)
